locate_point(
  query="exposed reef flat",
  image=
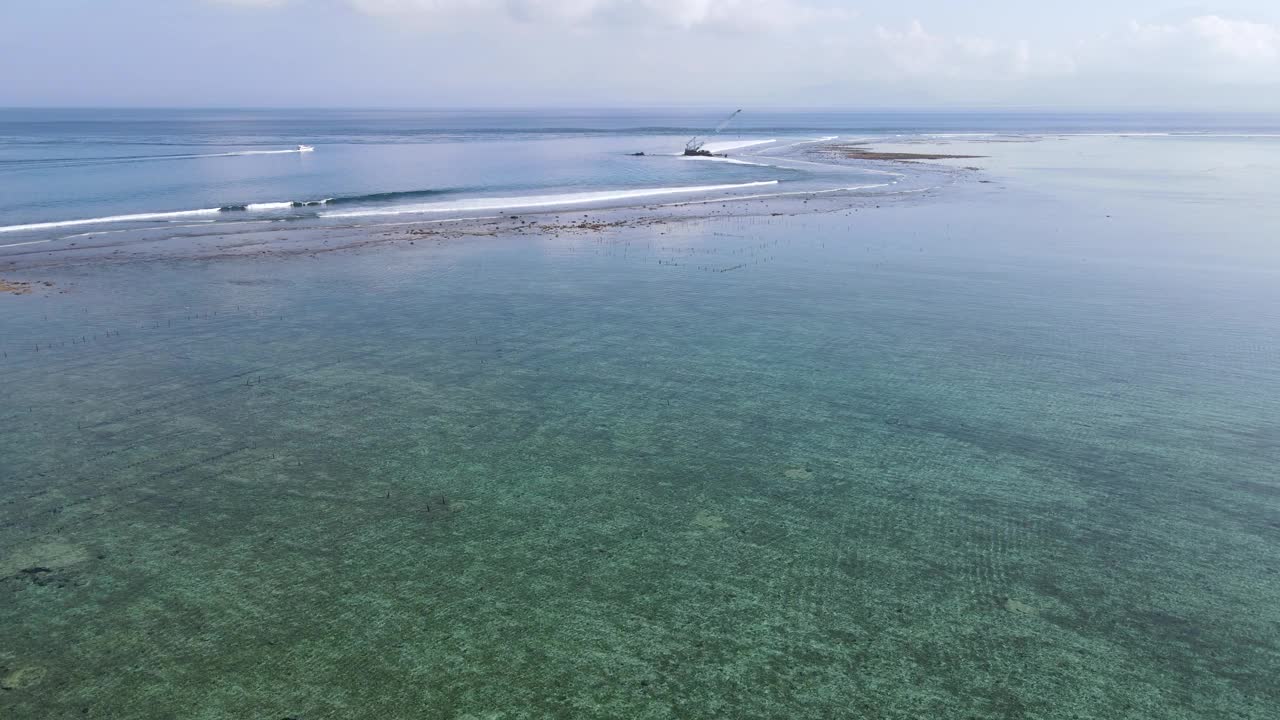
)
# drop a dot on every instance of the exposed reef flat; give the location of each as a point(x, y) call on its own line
point(14, 287)
point(863, 151)
point(282, 239)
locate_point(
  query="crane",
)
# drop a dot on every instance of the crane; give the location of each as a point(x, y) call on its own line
point(694, 146)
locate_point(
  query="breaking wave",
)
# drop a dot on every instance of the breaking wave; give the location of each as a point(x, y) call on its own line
point(383, 204)
point(390, 196)
point(531, 201)
point(139, 217)
point(265, 207)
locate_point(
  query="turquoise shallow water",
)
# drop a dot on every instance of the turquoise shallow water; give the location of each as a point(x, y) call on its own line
point(1003, 452)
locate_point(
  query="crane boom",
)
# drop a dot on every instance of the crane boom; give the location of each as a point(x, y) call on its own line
point(728, 120)
point(694, 146)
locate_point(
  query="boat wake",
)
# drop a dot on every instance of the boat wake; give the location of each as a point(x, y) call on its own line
point(62, 162)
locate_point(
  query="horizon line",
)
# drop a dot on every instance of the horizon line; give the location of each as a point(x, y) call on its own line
point(669, 107)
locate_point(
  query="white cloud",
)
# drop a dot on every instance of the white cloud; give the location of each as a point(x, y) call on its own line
point(1240, 40)
point(1193, 51)
point(812, 52)
point(916, 52)
point(1207, 47)
point(722, 15)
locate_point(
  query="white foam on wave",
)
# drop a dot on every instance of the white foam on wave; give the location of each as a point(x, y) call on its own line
point(139, 217)
point(269, 206)
point(438, 222)
point(828, 138)
point(783, 162)
point(803, 142)
point(1116, 134)
point(796, 193)
point(29, 242)
point(512, 203)
point(735, 145)
point(731, 161)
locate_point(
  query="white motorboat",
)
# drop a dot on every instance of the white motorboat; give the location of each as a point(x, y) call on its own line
point(306, 148)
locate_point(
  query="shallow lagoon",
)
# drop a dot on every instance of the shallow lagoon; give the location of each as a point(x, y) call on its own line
point(1006, 451)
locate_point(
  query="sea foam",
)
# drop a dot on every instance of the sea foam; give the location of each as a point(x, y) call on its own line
point(512, 203)
point(139, 217)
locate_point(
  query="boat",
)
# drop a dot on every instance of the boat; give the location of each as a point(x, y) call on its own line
point(306, 148)
point(694, 148)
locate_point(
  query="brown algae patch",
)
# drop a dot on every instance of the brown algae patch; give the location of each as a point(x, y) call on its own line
point(860, 151)
point(14, 287)
point(48, 555)
point(709, 521)
point(21, 678)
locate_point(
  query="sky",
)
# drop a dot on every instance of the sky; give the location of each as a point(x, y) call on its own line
point(1079, 55)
